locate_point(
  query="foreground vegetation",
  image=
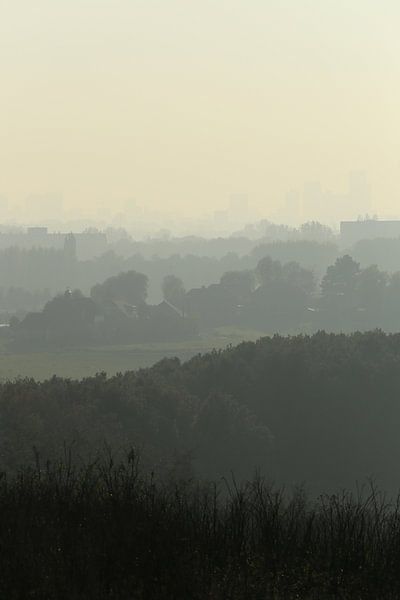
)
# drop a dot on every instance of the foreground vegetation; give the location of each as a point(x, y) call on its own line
point(322, 409)
point(104, 531)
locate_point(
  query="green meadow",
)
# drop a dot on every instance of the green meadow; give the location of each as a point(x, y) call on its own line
point(86, 361)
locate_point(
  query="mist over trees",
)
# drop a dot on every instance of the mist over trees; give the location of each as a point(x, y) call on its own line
point(43, 272)
point(174, 291)
point(271, 297)
point(197, 261)
point(318, 409)
point(130, 287)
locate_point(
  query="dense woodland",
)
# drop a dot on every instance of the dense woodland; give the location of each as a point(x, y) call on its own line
point(320, 409)
point(106, 483)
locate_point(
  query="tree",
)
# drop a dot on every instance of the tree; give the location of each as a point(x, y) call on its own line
point(341, 277)
point(69, 311)
point(391, 307)
point(239, 283)
point(338, 294)
point(174, 291)
point(129, 287)
point(278, 306)
point(14, 322)
point(313, 230)
point(296, 275)
point(268, 270)
point(228, 436)
point(370, 291)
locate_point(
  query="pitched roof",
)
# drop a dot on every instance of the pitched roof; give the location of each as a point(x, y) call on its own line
point(166, 307)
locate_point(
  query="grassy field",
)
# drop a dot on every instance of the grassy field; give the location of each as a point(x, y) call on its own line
point(83, 362)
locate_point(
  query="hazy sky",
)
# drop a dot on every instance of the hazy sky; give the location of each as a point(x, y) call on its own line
point(180, 103)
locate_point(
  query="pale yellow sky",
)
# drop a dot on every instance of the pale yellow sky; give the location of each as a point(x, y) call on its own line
point(180, 103)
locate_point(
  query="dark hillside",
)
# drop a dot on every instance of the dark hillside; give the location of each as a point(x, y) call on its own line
point(331, 402)
point(323, 409)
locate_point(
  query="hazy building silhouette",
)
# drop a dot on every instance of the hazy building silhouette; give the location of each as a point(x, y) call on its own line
point(292, 206)
point(87, 244)
point(354, 231)
point(313, 200)
point(359, 192)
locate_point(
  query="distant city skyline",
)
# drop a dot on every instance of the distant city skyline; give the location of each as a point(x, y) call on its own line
point(312, 201)
point(182, 104)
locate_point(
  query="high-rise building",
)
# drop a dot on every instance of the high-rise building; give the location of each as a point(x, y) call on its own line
point(313, 201)
point(359, 193)
point(292, 207)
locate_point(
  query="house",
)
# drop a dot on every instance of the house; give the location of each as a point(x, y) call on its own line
point(129, 310)
point(212, 306)
point(167, 322)
point(167, 310)
point(32, 328)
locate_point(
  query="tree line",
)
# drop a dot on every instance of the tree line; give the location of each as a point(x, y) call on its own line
point(273, 297)
point(322, 409)
point(39, 270)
